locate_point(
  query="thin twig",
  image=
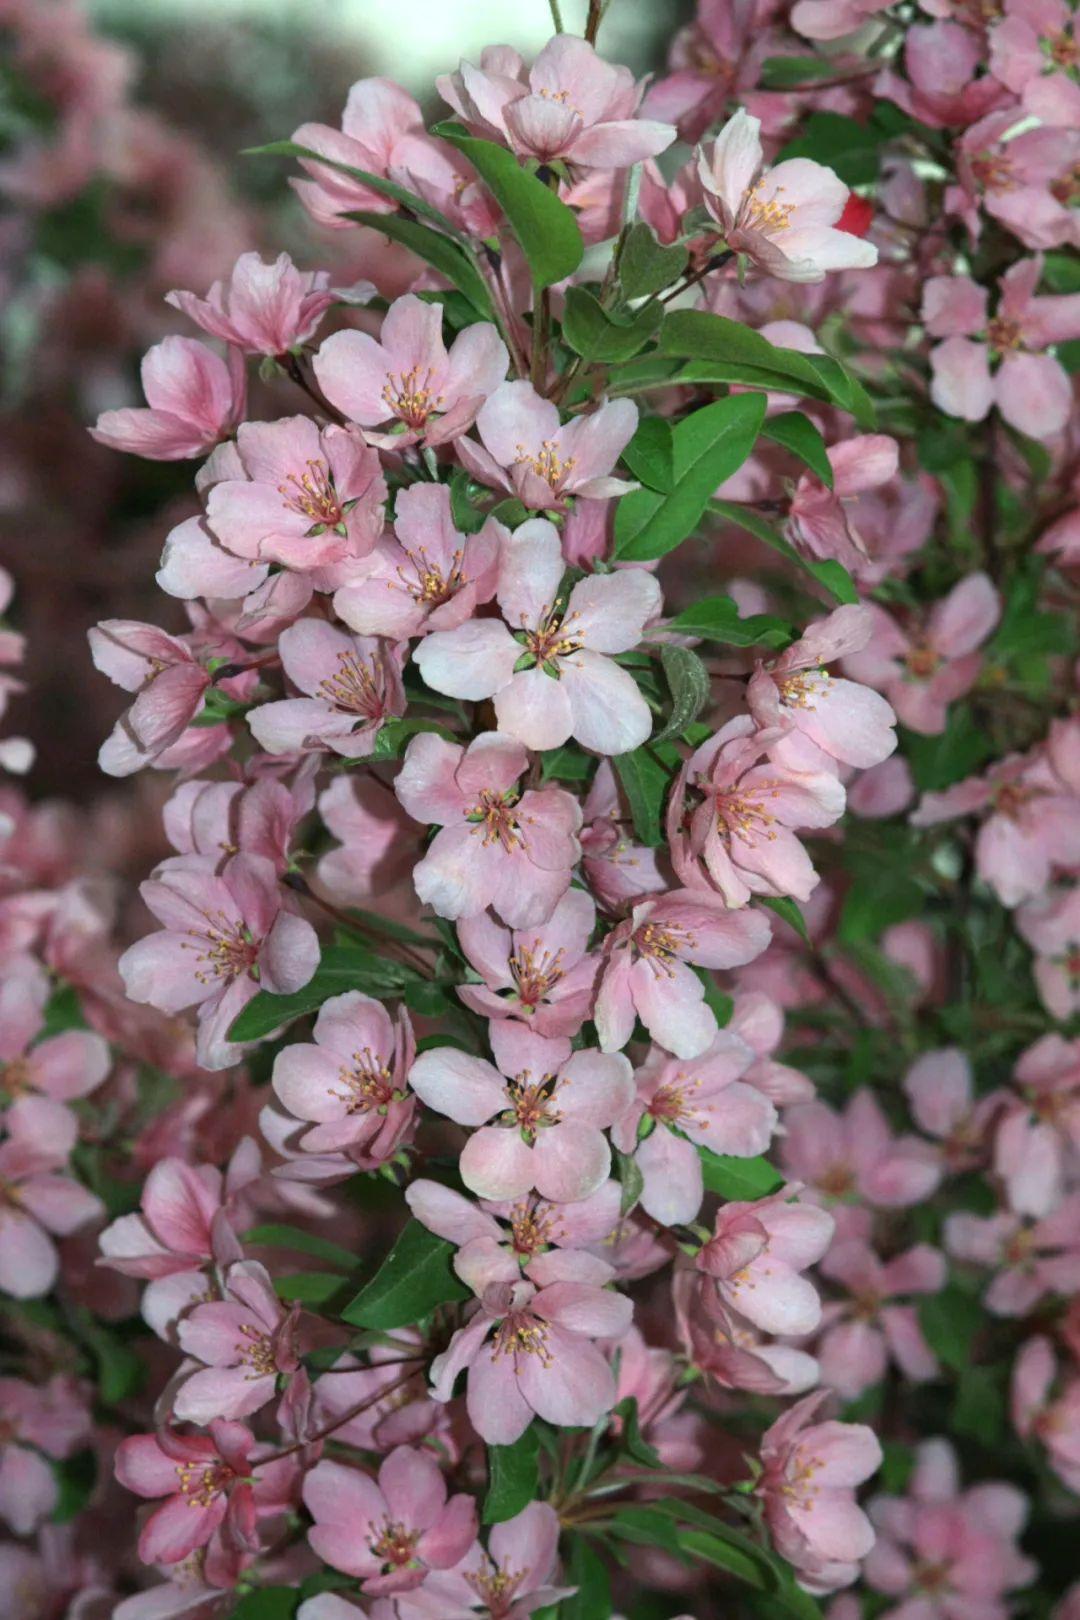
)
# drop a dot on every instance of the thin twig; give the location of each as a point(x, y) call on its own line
point(346, 1417)
point(296, 372)
point(556, 15)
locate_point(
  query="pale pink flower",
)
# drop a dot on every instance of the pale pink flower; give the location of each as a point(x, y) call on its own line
point(425, 575)
point(681, 1104)
point(553, 1106)
point(247, 1340)
point(1030, 388)
point(391, 1533)
point(37, 1422)
point(379, 843)
point(741, 818)
point(221, 819)
point(810, 1471)
point(1039, 1131)
point(59, 1069)
point(306, 497)
point(862, 1334)
point(193, 400)
point(1030, 1258)
point(225, 937)
point(649, 968)
point(826, 522)
point(1050, 923)
point(757, 1254)
point(378, 117)
point(530, 1230)
point(194, 563)
point(943, 87)
point(1022, 180)
point(1034, 52)
point(727, 1347)
point(351, 1080)
point(1037, 1415)
point(616, 867)
point(400, 1413)
point(549, 666)
point(839, 1154)
point(170, 683)
point(407, 377)
point(509, 1580)
point(941, 1094)
point(182, 1206)
point(544, 976)
point(352, 685)
point(716, 56)
point(527, 452)
point(542, 1358)
point(759, 1022)
point(784, 219)
point(497, 846)
point(40, 1202)
point(832, 19)
point(941, 1551)
point(922, 669)
point(262, 308)
point(570, 104)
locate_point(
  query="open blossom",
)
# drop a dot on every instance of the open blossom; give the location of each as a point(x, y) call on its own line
point(530, 1229)
point(408, 379)
point(1041, 1412)
point(224, 938)
point(194, 399)
point(922, 669)
point(649, 968)
point(169, 681)
point(553, 1106)
point(40, 1202)
point(716, 55)
point(838, 1154)
point(351, 1081)
point(744, 811)
point(784, 219)
point(757, 1254)
point(527, 452)
point(183, 1207)
point(37, 1422)
point(944, 86)
point(1051, 925)
point(378, 118)
point(262, 308)
point(247, 1340)
point(828, 523)
point(705, 1101)
point(424, 575)
point(544, 975)
point(940, 1090)
point(497, 846)
point(548, 667)
point(570, 104)
point(1030, 388)
point(810, 1471)
point(351, 686)
point(1039, 1130)
point(56, 1070)
point(391, 1533)
point(1034, 52)
point(508, 1580)
point(616, 867)
point(873, 1326)
point(725, 1345)
point(759, 1023)
point(1030, 1257)
point(306, 498)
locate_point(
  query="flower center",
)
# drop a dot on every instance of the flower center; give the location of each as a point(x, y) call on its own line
point(921, 661)
point(1003, 334)
point(201, 1483)
point(522, 1335)
point(410, 396)
point(551, 641)
point(530, 1102)
point(494, 813)
point(354, 687)
point(837, 1181)
point(367, 1084)
point(660, 944)
point(742, 815)
point(16, 1077)
point(428, 584)
point(530, 1229)
point(256, 1348)
point(798, 1484)
point(799, 691)
point(313, 496)
point(766, 215)
point(227, 949)
point(672, 1103)
point(495, 1587)
point(1063, 49)
point(548, 464)
point(1010, 799)
point(395, 1546)
point(993, 171)
point(535, 973)
point(1066, 188)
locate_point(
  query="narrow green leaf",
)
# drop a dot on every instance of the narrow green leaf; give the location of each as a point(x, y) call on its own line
point(341, 968)
point(631, 1181)
point(310, 1287)
point(737, 1555)
point(547, 231)
point(395, 735)
point(741, 1180)
point(439, 251)
point(650, 455)
point(646, 1527)
point(716, 618)
point(268, 1603)
point(789, 911)
point(415, 1277)
point(630, 1439)
point(595, 334)
point(645, 776)
point(688, 682)
point(950, 1321)
point(798, 434)
point(279, 1235)
point(646, 267)
point(513, 1473)
point(587, 1572)
point(831, 575)
point(374, 182)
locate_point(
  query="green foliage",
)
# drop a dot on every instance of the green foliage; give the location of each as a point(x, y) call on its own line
point(341, 968)
point(716, 618)
point(788, 911)
point(279, 1235)
point(798, 434)
point(949, 1321)
point(831, 575)
point(650, 455)
point(441, 252)
point(596, 334)
point(646, 267)
point(740, 1180)
point(645, 775)
point(268, 1603)
point(688, 683)
point(415, 1279)
point(513, 1475)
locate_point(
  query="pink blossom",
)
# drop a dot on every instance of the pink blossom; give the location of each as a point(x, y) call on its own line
point(741, 819)
point(681, 1105)
point(509, 1580)
point(525, 451)
point(305, 497)
point(832, 19)
point(756, 1257)
point(351, 685)
point(183, 1207)
point(497, 846)
point(649, 963)
point(942, 87)
point(1055, 1421)
point(616, 867)
point(194, 399)
point(1039, 1131)
point(863, 1333)
point(546, 666)
point(407, 377)
point(351, 1081)
point(58, 1069)
point(727, 1347)
point(553, 1106)
point(922, 670)
point(379, 117)
point(1022, 180)
point(39, 1202)
point(716, 56)
point(246, 1339)
point(389, 1534)
point(783, 219)
point(263, 308)
point(545, 975)
point(1050, 923)
point(220, 819)
point(807, 1485)
point(570, 104)
point(1034, 53)
point(1030, 388)
point(825, 522)
point(170, 683)
point(37, 1422)
point(840, 1154)
point(225, 937)
point(529, 1230)
point(425, 575)
point(1030, 1257)
point(941, 1094)
point(378, 845)
point(759, 1022)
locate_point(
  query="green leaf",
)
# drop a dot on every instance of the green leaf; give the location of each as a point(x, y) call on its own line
point(513, 1474)
point(268, 1603)
point(798, 434)
point(979, 1410)
point(789, 911)
point(833, 576)
point(375, 182)
point(960, 750)
point(75, 1480)
point(63, 1011)
point(645, 776)
point(631, 1181)
point(279, 1235)
point(741, 1180)
point(645, 267)
point(646, 1526)
point(547, 231)
point(395, 735)
point(950, 1321)
point(588, 1572)
point(630, 1440)
point(415, 1277)
point(341, 968)
point(595, 334)
point(709, 446)
point(650, 455)
point(688, 681)
point(441, 252)
point(716, 618)
point(734, 1553)
point(310, 1287)
point(850, 148)
point(787, 72)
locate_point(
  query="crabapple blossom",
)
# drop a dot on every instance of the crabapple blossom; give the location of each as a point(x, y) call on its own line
point(352, 686)
point(247, 1340)
point(1055, 1421)
point(940, 1090)
point(1033, 52)
point(545, 976)
point(1050, 923)
point(537, 1227)
point(545, 667)
point(59, 1069)
point(194, 399)
point(39, 1200)
point(616, 867)
point(863, 1333)
point(508, 1580)
point(170, 683)
point(828, 522)
point(526, 451)
point(1039, 1130)
point(1030, 1257)
point(837, 1154)
point(262, 308)
point(378, 118)
point(38, 1422)
point(757, 1254)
